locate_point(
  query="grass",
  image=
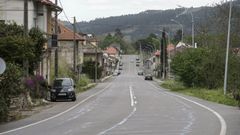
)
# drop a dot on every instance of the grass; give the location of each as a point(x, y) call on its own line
point(214, 95)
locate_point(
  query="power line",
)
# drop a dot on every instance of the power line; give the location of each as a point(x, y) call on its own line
point(64, 12)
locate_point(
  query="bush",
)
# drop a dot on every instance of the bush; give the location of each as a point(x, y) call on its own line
point(204, 67)
point(84, 81)
point(186, 65)
point(10, 86)
point(89, 69)
point(37, 86)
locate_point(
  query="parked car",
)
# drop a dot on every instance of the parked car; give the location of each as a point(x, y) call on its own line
point(137, 64)
point(140, 72)
point(148, 77)
point(120, 64)
point(63, 88)
point(116, 73)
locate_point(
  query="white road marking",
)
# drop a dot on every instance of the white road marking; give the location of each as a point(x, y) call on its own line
point(125, 119)
point(120, 123)
point(131, 96)
point(50, 118)
point(221, 119)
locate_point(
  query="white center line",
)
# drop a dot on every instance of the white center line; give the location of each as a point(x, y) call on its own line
point(131, 96)
point(125, 119)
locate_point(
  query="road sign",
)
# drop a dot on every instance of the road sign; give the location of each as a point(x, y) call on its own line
point(2, 66)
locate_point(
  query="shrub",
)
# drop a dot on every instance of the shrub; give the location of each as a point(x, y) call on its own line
point(36, 85)
point(10, 86)
point(204, 67)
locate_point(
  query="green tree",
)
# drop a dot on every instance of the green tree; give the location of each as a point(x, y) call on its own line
point(204, 67)
point(10, 86)
point(15, 47)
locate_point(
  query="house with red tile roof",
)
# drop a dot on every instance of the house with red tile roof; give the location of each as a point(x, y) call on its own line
point(66, 39)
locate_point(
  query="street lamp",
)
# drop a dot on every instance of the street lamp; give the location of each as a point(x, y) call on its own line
point(184, 12)
point(180, 25)
point(227, 50)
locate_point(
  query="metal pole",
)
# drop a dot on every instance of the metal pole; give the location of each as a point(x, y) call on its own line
point(193, 42)
point(26, 17)
point(227, 50)
point(74, 44)
point(95, 78)
point(56, 32)
point(25, 61)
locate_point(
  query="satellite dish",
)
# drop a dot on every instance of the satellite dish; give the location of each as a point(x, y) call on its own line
point(2, 66)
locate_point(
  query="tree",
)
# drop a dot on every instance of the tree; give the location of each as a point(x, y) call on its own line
point(178, 36)
point(204, 67)
point(118, 34)
point(10, 86)
point(15, 47)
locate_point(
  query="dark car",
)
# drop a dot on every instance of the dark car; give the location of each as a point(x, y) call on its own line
point(63, 88)
point(148, 77)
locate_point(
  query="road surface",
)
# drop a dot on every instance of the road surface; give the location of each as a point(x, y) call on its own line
point(129, 105)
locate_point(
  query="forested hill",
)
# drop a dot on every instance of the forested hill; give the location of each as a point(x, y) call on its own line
point(140, 25)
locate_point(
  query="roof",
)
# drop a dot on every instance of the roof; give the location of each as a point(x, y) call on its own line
point(66, 34)
point(51, 4)
point(157, 53)
point(111, 50)
point(170, 47)
point(182, 45)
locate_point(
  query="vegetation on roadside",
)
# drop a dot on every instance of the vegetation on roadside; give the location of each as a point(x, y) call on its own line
point(201, 73)
point(17, 49)
point(214, 95)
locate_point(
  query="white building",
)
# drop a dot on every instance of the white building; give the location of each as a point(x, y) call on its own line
point(40, 14)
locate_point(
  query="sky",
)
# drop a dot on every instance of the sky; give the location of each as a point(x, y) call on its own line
point(86, 10)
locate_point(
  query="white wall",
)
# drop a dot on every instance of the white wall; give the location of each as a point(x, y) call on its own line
point(13, 11)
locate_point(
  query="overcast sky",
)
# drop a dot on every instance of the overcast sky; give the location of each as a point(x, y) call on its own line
point(86, 10)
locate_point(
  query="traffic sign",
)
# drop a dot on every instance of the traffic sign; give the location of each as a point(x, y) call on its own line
point(2, 66)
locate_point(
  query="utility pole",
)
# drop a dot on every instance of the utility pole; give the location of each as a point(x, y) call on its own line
point(26, 17)
point(140, 49)
point(227, 50)
point(25, 61)
point(96, 65)
point(193, 42)
point(56, 33)
point(163, 55)
point(74, 44)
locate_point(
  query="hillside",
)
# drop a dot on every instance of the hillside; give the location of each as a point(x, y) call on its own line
point(140, 25)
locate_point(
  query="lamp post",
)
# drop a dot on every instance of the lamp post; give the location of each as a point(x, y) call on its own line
point(227, 50)
point(184, 12)
point(180, 25)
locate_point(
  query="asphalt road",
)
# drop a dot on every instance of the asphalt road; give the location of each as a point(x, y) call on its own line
point(129, 105)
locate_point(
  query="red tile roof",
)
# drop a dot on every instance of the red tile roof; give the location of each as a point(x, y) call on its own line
point(157, 53)
point(111, 51)
point(170, 47)
point(67, 34)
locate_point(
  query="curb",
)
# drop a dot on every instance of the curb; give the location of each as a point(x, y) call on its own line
point(105, 78)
